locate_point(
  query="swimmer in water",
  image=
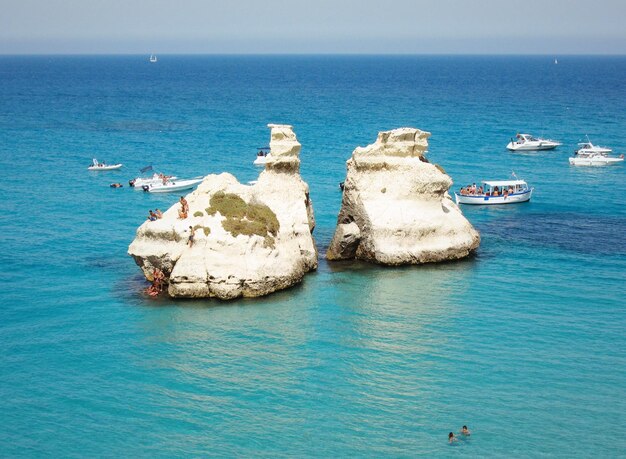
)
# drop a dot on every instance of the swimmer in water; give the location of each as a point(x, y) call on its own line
point(451, 438)
point(465, 431)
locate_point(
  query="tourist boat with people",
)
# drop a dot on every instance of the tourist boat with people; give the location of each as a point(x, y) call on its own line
point(495, 192)
point(526, 142)
point(158, 178)
point(172, 185)
point(97, 166)
point(262, 156)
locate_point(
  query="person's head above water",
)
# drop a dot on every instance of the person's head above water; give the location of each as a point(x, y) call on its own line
point(451, 435)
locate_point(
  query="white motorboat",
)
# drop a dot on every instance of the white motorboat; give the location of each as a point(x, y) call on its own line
point(589, 154)
point(173, 185)
point(526, 142)
point(96, 166)
point(262, 156)
point(153, 58)
point(495, 192)
point(139, 182)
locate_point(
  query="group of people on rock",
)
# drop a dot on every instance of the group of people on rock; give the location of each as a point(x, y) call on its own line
point(184, 208)
point(156, 215)
point(158, 280)
point(464, 433)
point(472, 190)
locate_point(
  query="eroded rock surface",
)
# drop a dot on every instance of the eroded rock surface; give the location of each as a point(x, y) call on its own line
point(249, 240)
point(396, 208)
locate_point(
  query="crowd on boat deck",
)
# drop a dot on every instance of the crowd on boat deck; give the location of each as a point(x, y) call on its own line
point(472, 190)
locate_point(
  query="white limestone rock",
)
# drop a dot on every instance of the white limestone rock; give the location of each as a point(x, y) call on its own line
point(221, 264)
point(396, 208)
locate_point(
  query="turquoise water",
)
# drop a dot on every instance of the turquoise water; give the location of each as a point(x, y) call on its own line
point(524, 342)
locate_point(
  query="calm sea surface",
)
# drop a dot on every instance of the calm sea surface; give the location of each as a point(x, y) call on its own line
point(525, 342)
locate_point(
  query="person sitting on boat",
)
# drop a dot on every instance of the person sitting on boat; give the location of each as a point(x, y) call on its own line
point(480, 190)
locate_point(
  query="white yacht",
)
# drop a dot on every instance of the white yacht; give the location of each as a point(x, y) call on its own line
point(153, 58)
point(526, 142)
point(495, 192)
point(589, 154)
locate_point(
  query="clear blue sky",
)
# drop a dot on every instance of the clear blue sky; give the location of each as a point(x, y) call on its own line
point(322, 26)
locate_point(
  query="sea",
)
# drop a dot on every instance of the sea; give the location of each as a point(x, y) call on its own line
point(525, 342)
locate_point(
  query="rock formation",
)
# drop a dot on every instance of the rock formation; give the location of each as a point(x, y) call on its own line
point(248, 241)
point(396, 208)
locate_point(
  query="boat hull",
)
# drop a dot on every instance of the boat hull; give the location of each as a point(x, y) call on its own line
point(595, 161)
point(262, 160)
point(532, 146)
point(494, 200)
point(139, 182)
point(105, 168)
point(171, 187)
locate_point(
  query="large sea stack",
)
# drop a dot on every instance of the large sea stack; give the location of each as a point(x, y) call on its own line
point(396, 208)
point(249, 240)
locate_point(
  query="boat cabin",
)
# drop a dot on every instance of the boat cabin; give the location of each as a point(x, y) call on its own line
point(502, 187)
point(522, 138)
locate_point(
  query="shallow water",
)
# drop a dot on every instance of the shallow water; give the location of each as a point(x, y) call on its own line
point(523, 342)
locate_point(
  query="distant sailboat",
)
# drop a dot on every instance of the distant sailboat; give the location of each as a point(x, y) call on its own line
point(153, 58)
point(556, 61)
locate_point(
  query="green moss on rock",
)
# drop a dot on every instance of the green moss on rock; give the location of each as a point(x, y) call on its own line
point(245, 218)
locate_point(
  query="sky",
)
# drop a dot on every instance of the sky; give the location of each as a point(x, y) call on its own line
point(314, 26)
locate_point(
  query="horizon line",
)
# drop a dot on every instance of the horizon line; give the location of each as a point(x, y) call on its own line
point(45, 54)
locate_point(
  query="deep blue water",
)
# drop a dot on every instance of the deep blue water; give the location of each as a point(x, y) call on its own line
point(525, 342)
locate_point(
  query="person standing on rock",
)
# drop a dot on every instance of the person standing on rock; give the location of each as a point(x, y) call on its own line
point(191, 235)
